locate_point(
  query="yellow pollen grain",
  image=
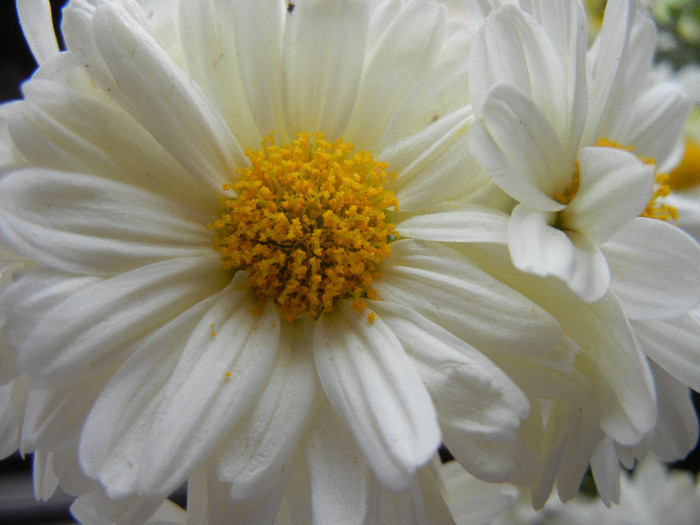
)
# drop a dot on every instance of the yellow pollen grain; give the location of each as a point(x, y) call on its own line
point(687, 174)
point(308, 223)
point(657, 207)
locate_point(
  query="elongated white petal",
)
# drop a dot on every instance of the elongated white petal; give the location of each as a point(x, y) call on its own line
point(165, 101)
point(373, 385)
point(604, 61)
point(84, 224)
point(478, 225)
point(520, 149)
point(469, 391)
point(63, 127)
point(115, 432)
point(85, 329)
point(323, 42)
point(403, 48)
point(447, 288)
point(338, 483)
point(99, 509)
point(512, 49)
point(656, 124)
point(262, 443)
point(625, 387)
point(230, 48)
point(655, 269)
point(475, 401)
point(544, 250)
point(201, 402)
point(208, 500)
point(37, 26)
point(676, 434)
point(605, 468)
point(673, 344)
point(612, 180)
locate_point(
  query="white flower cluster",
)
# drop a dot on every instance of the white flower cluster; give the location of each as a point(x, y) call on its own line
point(282, 251)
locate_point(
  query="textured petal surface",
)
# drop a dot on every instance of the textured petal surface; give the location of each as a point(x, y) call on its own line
point(165, 101)
point(447, 288)
point(519, 148)
point(84, 224)
point(655, 269)
point(262, 443)
point(477, 404)
point(612, 180)
point(434, 166)
point(373, 385)
point(536, 247)
point(477, 225)
point(323, 42)
point(673, 345)
point(95, 324)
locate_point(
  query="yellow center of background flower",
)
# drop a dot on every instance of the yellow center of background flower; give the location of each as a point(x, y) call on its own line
point(657, 207)
point(687, 174)
point(308, 223)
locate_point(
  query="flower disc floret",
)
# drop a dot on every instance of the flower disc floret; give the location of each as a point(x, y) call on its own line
point(308, 223)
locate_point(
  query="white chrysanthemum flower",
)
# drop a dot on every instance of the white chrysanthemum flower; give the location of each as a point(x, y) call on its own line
point(553, 127)
point(210, 269)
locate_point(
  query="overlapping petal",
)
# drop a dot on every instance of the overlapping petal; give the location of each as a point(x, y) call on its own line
point(371, 383)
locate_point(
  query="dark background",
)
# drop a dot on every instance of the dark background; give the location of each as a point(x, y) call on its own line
point(16, 65)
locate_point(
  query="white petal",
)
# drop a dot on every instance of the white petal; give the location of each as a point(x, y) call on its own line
point(605, 468)
point(676, 433)
point(323, 43)
point(476, 402)
point(84, 224)
point(477, 225)
point(447, 288)
point(405, 46)
point(615, 187)
point(98, 509)
point(512, 49)
point(519, 148)
point(230, 47)
point(373, 385)
point(657, 124)
point(94, 325)
point(673, 344)
point(37, 26)
point(655, 269)
point(262, 443)
point(208, 500)
point(201, 403)
point(61, 126)
point(165, 100)
point(115, 432)
point(535, 247)
point(625, 389)
point(13, 396)
point(338, 483)
point(434, 166)
point(604, 61)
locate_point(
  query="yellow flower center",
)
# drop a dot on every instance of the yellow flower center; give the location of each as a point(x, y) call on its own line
point(656, 208)
point(308, 223)
point(687, 173)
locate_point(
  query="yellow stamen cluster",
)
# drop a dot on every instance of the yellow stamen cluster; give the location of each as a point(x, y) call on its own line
point(656, 208)
point(308, 223)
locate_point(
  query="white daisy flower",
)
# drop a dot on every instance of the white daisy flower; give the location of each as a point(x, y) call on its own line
point(211, 269)
point(554, 125)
